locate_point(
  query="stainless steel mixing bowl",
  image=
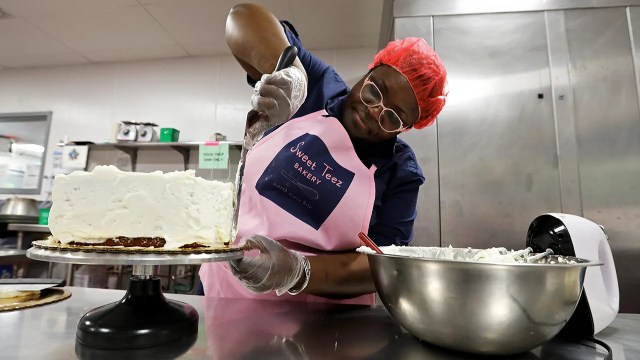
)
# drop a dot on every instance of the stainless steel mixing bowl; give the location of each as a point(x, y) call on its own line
point(485, 308)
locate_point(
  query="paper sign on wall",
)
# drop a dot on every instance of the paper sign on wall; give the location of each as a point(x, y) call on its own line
point(214, 155)
point(75, 156)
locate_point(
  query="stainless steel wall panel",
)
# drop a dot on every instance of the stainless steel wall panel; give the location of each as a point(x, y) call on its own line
point(504, 159)
point(386, 25)
point(633, 21)
point(419, 27)
point(631, 249)
point(461, 7)
point(608, 132)
point(563, 113)
point(425, 144)
point(497, 145)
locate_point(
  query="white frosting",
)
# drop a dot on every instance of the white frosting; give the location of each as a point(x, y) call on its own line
point(450, 253)
point(107, 202)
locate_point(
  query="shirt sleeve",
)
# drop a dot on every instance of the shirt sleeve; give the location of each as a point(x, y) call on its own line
point(324, 82)
point(397, 189)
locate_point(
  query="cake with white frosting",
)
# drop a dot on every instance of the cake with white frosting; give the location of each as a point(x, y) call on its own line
point(110, 207)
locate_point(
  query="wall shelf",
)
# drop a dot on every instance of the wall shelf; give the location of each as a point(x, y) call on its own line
point(132, 148)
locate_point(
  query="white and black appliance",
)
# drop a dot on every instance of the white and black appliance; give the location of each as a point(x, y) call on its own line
point(572, 235)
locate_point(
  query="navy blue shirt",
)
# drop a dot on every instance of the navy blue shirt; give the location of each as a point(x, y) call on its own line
point(398, 175)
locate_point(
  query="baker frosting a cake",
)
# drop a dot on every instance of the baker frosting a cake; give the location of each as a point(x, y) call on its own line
point(111, 207)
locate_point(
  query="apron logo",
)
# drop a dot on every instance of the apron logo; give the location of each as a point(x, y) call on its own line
point(305, 180)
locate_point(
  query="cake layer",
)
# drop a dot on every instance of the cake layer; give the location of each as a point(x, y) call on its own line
point(126, 242)
point(13, 297)
point(107, 203)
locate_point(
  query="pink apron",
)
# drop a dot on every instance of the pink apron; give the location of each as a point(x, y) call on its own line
point(303, 183)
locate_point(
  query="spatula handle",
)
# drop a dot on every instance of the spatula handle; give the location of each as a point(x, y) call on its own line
point(368, 242)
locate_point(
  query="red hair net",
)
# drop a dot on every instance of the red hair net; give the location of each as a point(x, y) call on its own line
point(422, 67)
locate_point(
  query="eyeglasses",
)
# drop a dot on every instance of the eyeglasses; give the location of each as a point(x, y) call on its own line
point(388, 119)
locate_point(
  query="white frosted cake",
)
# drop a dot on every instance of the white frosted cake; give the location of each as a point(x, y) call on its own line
point(111, 207)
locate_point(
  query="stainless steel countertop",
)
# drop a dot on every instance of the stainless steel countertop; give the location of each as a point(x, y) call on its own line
point(241, 329)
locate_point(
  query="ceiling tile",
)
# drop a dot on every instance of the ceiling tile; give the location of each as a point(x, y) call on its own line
point(117, 30)
point(20, 41)
point(16, 60)
point(147, 2)
point(104, 29)
point(191, 21)
point(282, 9)
point(337, 24)
point(206, 49)
point(134, 54)
point(18, 35)
point(201, 21)
point(28, 8)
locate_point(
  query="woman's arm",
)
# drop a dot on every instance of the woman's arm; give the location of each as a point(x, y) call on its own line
point(256, 39)
point(277, 268)
point(339, 276)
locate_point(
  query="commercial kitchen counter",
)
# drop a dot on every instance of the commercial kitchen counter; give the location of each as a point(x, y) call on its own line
point(244, 329)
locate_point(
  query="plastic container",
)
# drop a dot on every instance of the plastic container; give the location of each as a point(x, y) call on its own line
point(169, 135)
point(43, 218)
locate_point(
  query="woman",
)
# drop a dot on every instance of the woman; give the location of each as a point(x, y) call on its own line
point(336, 169)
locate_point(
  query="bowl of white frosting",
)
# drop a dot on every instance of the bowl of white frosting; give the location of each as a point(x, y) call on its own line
point(484, 301)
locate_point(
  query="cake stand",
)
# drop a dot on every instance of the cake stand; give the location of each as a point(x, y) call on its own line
point(143, 318)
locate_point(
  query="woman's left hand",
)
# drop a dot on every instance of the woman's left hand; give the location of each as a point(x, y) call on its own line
point(275, 268)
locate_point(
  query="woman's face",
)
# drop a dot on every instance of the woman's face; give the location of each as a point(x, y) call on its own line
point(361, 121)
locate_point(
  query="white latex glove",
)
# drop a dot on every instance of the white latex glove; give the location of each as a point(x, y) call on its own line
point(276, 268)
point(257, 123)
point(280, 94)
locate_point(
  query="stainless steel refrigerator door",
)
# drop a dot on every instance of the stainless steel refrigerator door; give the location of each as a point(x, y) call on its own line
point(608, 131)
point(425, 145)
point(496, 135)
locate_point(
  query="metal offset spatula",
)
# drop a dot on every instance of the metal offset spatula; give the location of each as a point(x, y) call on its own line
point(29, 284)
point(285, 60)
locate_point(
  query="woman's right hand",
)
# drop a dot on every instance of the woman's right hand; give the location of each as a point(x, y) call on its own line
point(280, 94)
point(275, 268)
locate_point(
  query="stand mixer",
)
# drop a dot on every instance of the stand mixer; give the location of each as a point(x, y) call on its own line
point(573, 235)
